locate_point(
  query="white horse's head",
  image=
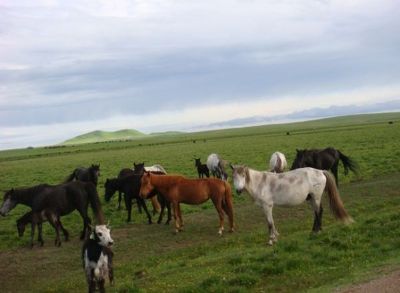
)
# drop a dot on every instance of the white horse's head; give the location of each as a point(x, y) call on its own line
point(102, 235)
point(240, 174)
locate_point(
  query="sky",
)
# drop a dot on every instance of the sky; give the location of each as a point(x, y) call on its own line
point(70, 67)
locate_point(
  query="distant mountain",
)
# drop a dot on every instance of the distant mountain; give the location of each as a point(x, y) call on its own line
point(102, 136)
point(313, 113)
point(167, 133)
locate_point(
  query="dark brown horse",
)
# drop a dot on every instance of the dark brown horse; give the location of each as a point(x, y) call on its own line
point(326, 159)
point(178, 189)
point(90, 174)
point(53, 201)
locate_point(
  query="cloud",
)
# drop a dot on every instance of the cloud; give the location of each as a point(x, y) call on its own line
point(68, 62)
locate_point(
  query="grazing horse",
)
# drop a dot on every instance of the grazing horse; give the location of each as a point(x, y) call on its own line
point(55, 201)
point(90, 174)
point(28, 218)
point(277, 163)
point(129, 186)
point(290, 189)
point(326, 159)
point(178, 189)
point(216, 166)
point(202, 169)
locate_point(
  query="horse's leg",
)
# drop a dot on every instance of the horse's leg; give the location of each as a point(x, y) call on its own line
point(318, 210)
point(227, 206)
point(65, 231)
point(175, 207)
point(161, 199)
point(180, 218)
point(86, 222)
point(143, 204)
point(218, 206)
point(335, 172)
point(271, 226)
point(128, 205)
point(119, 200)
point(40, 235)
point(33, 224)
point(168, 203)
point(54, 222)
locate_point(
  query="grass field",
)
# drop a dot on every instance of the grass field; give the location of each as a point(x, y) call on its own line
point(151, 258)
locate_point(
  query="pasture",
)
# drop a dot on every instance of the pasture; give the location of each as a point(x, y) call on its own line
point(150, 258)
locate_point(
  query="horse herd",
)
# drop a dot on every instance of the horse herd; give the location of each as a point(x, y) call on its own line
point(306, 181)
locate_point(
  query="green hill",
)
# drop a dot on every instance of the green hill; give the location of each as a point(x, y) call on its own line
point(102, 136)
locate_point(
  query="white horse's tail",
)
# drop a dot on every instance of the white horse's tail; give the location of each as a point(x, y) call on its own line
point(335, 202)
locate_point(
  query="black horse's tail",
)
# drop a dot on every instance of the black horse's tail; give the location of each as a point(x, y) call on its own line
point(70, 177)
point(348, 164)
point(95, 203)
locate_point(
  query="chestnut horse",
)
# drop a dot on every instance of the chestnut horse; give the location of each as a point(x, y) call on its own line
point(178, 189)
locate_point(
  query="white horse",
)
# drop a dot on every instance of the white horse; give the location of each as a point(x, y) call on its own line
point(216, 167)
point(289, 189)
point(277, 163)
point(155, 168)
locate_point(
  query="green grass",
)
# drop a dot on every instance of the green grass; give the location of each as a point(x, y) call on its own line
point(150, 258)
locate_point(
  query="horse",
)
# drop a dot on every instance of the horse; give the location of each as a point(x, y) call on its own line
point(28, 218)
point(277, 163)
point(216, 166)
point(90, 174)
point(55, 201)
point(178, 189)
point(140, 168)
point(326, 159)
point(290, 189)
point(130, 186)
point(125, 172)
point(202, 169)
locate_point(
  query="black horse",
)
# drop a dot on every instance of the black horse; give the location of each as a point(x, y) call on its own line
point(202, 169)
point(130, 187)
point(125, 172)
point(326, 159)
point(54, 201)
point(90, 174)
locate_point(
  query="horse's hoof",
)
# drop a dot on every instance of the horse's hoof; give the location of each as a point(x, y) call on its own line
point(231, 230)
point(270, 243)
point(41, 244)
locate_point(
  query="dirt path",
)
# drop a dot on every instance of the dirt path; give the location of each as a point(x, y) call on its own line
point(389, 283)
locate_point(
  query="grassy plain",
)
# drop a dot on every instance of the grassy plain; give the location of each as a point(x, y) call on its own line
point(150, 258)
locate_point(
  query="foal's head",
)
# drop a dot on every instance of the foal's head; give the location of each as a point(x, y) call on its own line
point(102, 235)
point(9, 202)
point(240, 177)
point(146, 188)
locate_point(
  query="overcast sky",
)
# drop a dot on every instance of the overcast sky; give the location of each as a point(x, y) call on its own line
point(69, 67)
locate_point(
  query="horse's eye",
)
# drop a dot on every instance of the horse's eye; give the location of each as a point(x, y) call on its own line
point(99, 234)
